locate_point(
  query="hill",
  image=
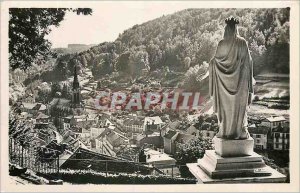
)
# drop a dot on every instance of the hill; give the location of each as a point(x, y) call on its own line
point(183, 41)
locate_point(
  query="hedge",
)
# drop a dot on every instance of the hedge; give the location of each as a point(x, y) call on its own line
point(92, 177)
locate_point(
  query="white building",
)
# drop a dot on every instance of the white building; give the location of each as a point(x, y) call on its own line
point(161, 161)
point(273, 122)
point(155, 123)
point(260, 136)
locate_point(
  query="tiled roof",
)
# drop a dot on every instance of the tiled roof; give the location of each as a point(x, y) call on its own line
point(156, 156)
point(156, 120)
point(42, 116)
point(191, 129)
point(258, 130)
point(115, 164)
point(275, 119)
point(63, 102)
point(54, 101)
point(281, 129)
point(28, 105)
point(184, 138)
point(60, 102)
point(112, 138)
point(193, 117)
point(133, 122)
point(174, 125)
point(170, 134)
point(104, 131)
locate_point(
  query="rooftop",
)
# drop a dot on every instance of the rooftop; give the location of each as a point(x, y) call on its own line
point(184, 138)
point(258, 130)
point(34, 106)
point(156, 156)
point(156, 120)
point(42, 116)
point(275, 119)
point(280, 129)
point(191, 118)
point(170, 134)
point(133, 122)
point(97, 163)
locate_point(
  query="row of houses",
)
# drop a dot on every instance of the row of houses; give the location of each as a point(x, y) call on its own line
point(272, 133)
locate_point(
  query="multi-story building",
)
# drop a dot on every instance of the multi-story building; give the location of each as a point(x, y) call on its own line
point(161, 161)
point(173, 138)
point(110, 143)
point(272, 134)
point(260, 136)
point(133, 125)
point(273, 122)
point(152, 124)
point(209, 130)
point(281, 138)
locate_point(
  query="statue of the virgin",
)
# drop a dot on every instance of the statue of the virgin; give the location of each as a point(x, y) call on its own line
point(231, 83)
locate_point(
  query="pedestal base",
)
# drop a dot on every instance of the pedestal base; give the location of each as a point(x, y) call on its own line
point(219, 167)
point(213, 168)
point(236, 147)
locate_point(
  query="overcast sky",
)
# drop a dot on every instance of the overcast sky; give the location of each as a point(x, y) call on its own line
point(109, 19)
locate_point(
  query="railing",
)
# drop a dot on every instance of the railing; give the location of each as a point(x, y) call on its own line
point(28, 157)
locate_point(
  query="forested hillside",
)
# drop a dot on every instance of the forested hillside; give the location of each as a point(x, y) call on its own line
point(183, 41)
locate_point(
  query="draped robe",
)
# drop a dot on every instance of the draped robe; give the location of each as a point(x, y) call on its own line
point(230, 83)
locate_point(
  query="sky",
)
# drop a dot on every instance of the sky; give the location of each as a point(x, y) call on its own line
point(108, 20)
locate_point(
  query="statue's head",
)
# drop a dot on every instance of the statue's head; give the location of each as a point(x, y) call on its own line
point(231, 27)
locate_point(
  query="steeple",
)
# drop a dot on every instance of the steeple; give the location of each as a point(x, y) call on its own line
point(75, 82)
point(76, 98)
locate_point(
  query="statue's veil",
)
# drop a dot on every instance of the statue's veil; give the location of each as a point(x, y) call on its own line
point(231, 31)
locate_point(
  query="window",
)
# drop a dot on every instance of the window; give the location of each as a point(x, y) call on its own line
point(257, 136)
point(207, 134)
point(277, 146)
point(287, 135)
point(287, 146)
point(257, 141)
point(277, 139)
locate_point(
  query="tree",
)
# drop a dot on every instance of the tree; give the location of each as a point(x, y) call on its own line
point(122, 62)
point(99, 84)
point(55, 87)
point(43, 96)
point(190, 152)
point(27, 30)
point(187, 62)
point(138, 61)
point(66, 92)
point(193, 79)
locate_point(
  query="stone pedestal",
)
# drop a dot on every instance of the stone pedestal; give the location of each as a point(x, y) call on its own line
point(233, 161)
point(229, 148)
point(219, 167)
point(204, 178)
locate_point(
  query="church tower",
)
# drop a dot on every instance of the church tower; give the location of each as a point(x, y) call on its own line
point(76, 91)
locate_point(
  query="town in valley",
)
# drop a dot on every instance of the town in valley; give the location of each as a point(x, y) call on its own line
point(56, 128)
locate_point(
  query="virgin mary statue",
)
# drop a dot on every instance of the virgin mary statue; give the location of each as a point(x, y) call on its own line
point(230, 83)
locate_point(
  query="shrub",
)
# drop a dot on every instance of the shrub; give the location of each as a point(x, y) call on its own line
point(92, 177)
